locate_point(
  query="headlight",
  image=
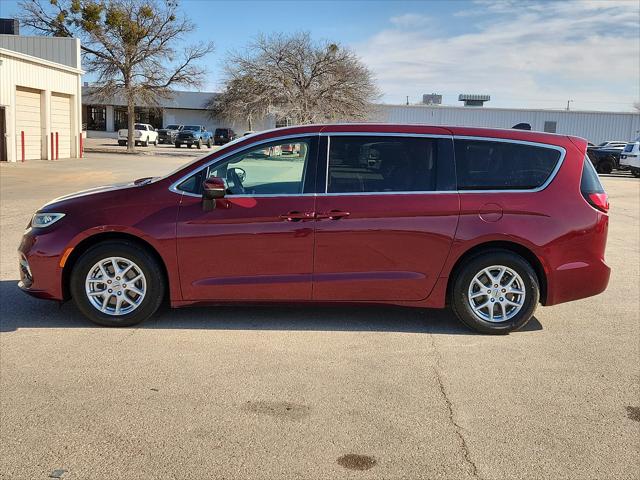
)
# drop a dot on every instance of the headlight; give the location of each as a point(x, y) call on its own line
point(41, 220)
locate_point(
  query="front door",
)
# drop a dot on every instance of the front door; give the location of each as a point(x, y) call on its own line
point(257, 243)
point(387, 220)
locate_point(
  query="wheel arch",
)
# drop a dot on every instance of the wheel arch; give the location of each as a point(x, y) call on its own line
point(97, 238)
point(513, 247)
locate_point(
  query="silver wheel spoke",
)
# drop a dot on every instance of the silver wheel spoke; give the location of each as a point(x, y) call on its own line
point(97, 293)
point(134, 290)
point(105, 302)
point(478, 294)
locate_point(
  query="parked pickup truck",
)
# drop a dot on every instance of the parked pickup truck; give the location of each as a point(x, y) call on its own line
point(144, 134)
point(169, 133)
point(194, 135)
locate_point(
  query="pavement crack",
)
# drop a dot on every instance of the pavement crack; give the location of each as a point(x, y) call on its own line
point(457, 428)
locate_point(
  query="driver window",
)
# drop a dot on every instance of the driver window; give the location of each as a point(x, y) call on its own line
point(276, 168)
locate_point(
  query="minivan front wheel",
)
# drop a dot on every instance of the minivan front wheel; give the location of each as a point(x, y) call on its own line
point(117, 284)
point(495, 292)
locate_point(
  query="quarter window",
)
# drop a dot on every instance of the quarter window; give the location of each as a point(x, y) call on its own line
point(361, 164)
point(492, 165)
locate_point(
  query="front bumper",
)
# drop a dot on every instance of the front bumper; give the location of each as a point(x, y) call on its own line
point(39, 266)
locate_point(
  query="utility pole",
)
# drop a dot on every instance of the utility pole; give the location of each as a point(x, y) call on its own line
point(407, 99)
point(568, 102)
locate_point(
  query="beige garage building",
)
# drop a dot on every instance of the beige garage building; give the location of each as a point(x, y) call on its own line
point(40, 98)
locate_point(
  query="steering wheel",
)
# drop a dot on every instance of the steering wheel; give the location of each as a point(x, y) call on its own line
point(234, 178)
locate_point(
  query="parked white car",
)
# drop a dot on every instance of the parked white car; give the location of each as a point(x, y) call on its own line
point(630, 157)
point(144, 134)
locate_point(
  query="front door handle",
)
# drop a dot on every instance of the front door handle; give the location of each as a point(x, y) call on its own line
point(333, 215)
point(295, 216)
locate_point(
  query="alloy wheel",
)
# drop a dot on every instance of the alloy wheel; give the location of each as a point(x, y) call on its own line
point(496, 294)
point(115, 286)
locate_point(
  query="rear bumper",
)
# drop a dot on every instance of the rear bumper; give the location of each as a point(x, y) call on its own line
point(576, 280)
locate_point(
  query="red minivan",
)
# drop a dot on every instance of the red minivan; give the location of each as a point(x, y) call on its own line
point(490, 222)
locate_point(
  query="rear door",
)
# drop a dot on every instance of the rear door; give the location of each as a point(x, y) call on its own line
point(387, 217)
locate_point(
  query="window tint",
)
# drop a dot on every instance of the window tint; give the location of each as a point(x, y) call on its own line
point(276, 168)
point(491, 165)
point(381, 164)
point(590, 183)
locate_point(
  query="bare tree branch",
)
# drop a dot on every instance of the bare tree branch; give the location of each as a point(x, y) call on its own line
point(297, 78)
point(130, 45)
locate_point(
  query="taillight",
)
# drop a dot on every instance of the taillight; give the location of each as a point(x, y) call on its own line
point(599, 201)
point(592, 189)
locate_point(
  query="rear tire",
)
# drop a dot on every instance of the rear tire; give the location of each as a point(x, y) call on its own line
point(606, 167)
point(492, 318)
point(209, 143)
point(144, 274)
point(122, 143)
point(177, 144)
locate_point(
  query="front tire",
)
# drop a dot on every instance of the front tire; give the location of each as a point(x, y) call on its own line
point(117, 284)
point(495, 292)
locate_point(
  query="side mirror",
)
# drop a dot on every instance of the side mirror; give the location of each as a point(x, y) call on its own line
point(213, 188)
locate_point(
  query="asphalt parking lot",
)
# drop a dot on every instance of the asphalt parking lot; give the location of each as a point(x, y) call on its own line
point(318, 393)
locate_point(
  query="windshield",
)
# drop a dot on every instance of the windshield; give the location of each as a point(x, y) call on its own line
point(629, 147)
point(191, 127)
point(140, 126)
point(172, 127)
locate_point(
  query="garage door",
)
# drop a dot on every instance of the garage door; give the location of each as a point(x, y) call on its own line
point(61, 123)
point(28, 121)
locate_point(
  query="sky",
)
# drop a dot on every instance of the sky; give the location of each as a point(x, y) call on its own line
point(525, 54)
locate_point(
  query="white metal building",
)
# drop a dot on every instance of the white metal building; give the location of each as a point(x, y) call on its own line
point(596, 127)
point(103, 118)
point(40, 98)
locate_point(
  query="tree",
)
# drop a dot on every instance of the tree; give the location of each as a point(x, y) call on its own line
point(297, 78)
point(243, 99)
point(130, 45)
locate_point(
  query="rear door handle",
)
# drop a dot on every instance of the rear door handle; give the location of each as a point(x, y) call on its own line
point(295, 216)
point(333, 215)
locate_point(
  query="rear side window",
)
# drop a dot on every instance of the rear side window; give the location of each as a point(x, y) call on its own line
point(362, 164)
point(495, 165)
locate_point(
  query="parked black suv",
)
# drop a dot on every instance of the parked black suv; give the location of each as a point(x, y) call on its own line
point(223, 135)
point(169, 133)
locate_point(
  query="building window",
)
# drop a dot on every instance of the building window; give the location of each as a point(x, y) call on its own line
point(550, 127)
point(119, 118)
point(283, 122)
point(95, 117)
point(152, 116)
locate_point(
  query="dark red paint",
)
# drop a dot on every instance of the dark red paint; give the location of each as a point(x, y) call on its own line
point(398, 249)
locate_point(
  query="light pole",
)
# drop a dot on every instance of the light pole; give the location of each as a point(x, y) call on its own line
point(568, 102)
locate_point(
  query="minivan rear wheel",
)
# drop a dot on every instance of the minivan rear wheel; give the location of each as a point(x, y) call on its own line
point(117, 284)
point(495, 292)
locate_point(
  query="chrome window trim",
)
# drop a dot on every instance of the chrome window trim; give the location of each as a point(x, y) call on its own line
point(550, 179)
point(174, 186)
point(383, 134)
